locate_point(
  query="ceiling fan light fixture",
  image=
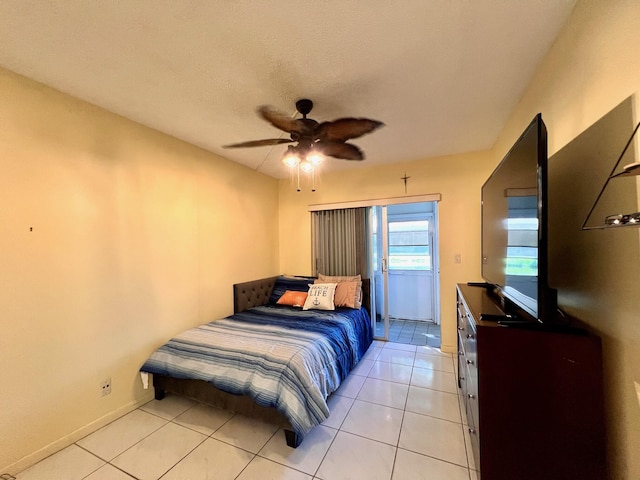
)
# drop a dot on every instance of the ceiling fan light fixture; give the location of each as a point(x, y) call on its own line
point(306, 166)
point(291, 160)
point(315, 159)
point(313, 140)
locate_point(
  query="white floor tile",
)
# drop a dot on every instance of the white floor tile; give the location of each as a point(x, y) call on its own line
point(116, 437)
point(350, 387)
point(376, 422)
point(413, 466)
point(246, 433)
point(372, 353)
point(204, 419)
point(159, 452)
point(339, 407)
point(432, 351)
point(434, 403)
point(406, 400)
point(211, 460)
point(400, 346)
point(434, 362)
point(109, 472)
point(434, 437)
point(362, 368)
point(382, 392)
point(391, 372)
point(307, 456)
point(263, 469)
point(401, 357)
point(426, 378)
point(71, 463)
point(352, 457)
point(170, 407)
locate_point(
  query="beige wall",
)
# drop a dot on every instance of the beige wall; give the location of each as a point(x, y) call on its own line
point(113, 237)
point(593, 66)
point(457, 178)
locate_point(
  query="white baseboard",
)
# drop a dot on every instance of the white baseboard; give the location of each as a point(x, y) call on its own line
point(54, 447)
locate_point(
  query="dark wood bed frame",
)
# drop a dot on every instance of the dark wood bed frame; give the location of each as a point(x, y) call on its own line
point(245, 295)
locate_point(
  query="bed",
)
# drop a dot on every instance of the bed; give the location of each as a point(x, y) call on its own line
point(275, 362)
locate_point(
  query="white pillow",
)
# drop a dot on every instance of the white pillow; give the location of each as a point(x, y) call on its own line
point(320, 296)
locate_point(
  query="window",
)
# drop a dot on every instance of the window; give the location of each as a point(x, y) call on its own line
point(409, 247)
point(522, 245)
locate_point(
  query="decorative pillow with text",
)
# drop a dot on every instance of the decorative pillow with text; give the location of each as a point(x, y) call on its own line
point(320, 296)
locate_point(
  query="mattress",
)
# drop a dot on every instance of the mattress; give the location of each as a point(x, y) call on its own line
point(281, 357)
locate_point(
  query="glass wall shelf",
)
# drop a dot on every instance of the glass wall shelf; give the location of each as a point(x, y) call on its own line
point(618, 203)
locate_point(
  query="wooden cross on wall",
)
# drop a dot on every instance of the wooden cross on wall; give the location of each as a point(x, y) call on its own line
point(405, 178)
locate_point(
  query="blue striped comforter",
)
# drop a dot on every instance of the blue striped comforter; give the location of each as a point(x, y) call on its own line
point(281, 357)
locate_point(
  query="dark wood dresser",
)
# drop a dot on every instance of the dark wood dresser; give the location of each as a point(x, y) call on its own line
point(533, 397)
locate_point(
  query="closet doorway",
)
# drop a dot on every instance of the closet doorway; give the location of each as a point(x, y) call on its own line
point(403, 256)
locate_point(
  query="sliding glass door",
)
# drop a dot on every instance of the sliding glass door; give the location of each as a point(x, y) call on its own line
point(403, 266)
point(379, 238)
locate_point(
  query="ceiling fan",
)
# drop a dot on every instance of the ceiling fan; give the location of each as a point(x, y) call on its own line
point(326, 138)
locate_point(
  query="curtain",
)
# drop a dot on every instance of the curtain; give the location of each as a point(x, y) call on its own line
point(339, 241)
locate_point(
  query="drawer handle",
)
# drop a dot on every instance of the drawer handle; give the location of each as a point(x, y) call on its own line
point(461, 353)
point(460, 378)
point(469, 362)
point(472, 431)
point(471, 396)
point(460, 328)
point(469, 335)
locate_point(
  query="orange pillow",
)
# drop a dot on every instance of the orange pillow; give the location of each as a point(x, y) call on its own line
point(293, 298)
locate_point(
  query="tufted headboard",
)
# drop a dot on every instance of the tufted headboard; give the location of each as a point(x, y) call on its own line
point(252, 294)
point(256, 292)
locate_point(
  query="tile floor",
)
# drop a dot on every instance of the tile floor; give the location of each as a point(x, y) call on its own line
point(397, 416)
point(412, 332)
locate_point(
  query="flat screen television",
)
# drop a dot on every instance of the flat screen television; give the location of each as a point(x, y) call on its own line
point(514, 228)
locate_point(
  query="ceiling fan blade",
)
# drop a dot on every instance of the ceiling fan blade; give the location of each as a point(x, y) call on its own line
point(344, 151)
point(345, 128)
point(259, 143)
point(282, 121)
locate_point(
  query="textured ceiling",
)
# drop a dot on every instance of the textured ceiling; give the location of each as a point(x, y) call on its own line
point(442, 75)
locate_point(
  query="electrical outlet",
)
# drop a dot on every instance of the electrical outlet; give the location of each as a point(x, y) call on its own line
point(106, 387)
point(637, 385)
point(458, 258)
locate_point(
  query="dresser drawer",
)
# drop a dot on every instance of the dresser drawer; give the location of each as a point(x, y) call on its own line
point(461, 368)
point(472, 410)
point(471, 399)
point(460, 364)
point(469, 346)
point(474, 437)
